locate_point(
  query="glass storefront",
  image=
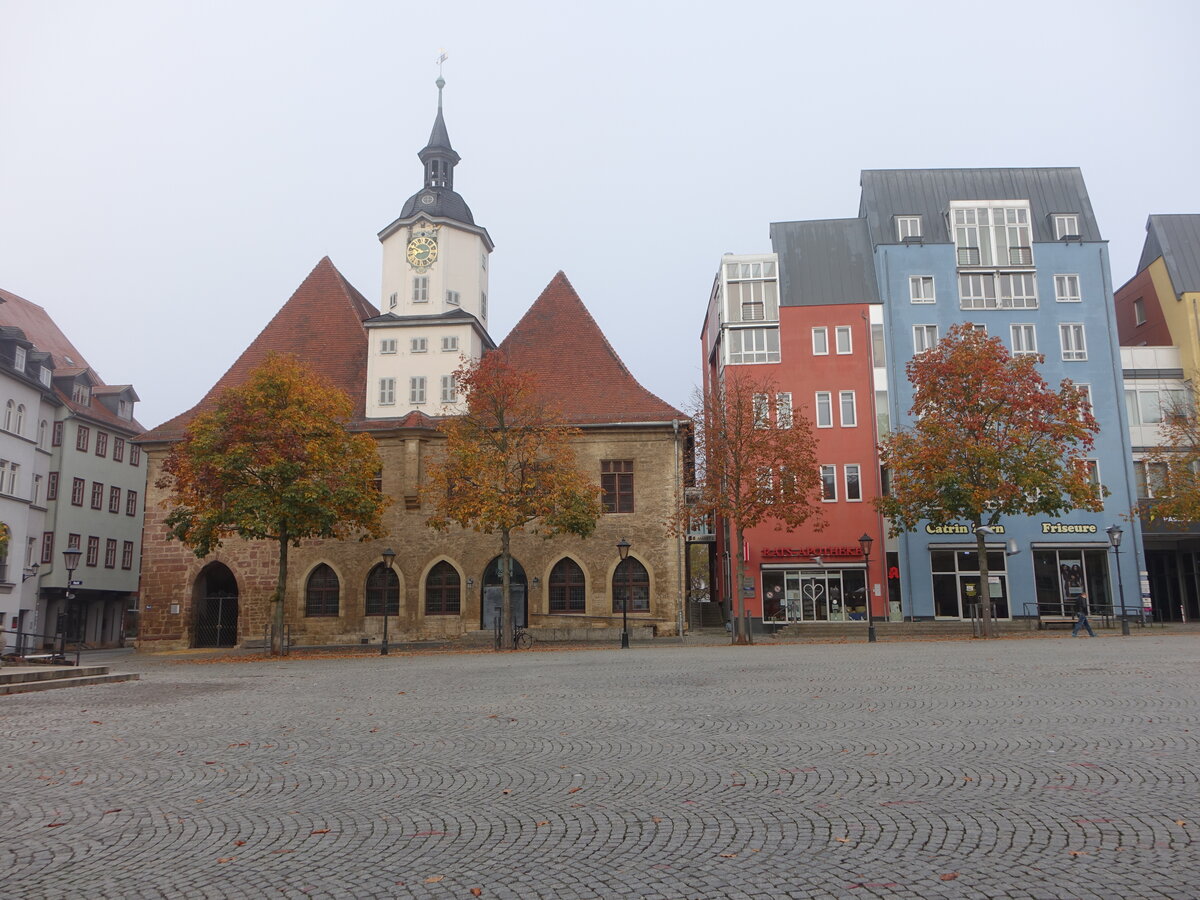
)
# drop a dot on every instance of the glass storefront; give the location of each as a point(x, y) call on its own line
point(956, 582)
point(1062, 575)
point(814, 595)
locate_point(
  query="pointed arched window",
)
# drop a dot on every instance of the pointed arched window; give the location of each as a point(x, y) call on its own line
point(322, 594)
point(567, 587)
point(632, 581)
point(443, 591)
point(383, 586)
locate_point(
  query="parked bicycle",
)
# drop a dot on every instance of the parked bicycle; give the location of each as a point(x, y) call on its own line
point(522, 639)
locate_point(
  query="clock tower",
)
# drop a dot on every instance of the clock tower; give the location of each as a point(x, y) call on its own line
point(434, 300)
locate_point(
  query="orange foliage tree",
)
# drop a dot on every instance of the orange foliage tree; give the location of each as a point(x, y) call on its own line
point(990, 439)
point(756, 462)
point(508, 466)
point(273, 460)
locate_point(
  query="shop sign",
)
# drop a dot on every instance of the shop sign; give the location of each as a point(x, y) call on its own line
point(957, 528)
point(1064, 528)
point(795, 552)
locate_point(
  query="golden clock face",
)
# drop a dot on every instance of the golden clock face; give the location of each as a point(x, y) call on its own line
point(422, 251)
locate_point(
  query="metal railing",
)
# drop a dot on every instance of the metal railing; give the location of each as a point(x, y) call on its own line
point(58, 655)
point(1053, 612)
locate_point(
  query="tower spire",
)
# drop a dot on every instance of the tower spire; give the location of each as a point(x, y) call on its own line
point(438, 156)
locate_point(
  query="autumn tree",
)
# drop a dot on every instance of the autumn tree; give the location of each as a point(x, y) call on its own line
point(757, 463)
point(508, 466)
point(1172, 469)
point(273, 460)
point(990, 438)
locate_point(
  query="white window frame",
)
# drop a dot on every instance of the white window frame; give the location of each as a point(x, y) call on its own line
point(453, 298)
point(1063, 285)
point(1010, 297)
point(44, 376)
point(824, 403)
point(387, 391)
point(820, 341)
point(762, 410)
point(921, 335)
point(908, 227)
point(420, 292)
point(1000, 231)
point(917, 292)
point(1139, 311)
point(19, 359)
point(1024, 339)
point(450, 344)
point(831, 471)
point(846, 469)
point(783, 410)
point(449, 389)
point(1061, 223)
point(483, 305)
point(845, 397)
point(843, 331)
point(418, 345)
point(977, 290)
point(387, 345)
point(416, 389)
point(394, 300)
point(1073, 340)
point(761, 349)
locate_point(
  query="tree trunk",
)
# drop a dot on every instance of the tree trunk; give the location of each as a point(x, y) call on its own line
point(985, 589)
point(740, 599)
point(280, 586)
point(506, 610)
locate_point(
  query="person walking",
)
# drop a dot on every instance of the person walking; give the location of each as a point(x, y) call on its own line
point(1081, 617)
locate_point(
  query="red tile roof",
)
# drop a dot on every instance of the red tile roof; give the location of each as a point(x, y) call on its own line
point(321, 324)
point(560, 342)
point(46, 336)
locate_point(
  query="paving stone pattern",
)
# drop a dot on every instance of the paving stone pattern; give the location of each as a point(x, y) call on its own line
point(1013, 769)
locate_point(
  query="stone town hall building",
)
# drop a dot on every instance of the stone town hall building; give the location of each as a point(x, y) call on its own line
point(397, 365)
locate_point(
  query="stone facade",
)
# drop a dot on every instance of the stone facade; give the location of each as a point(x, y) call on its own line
point(169, 580)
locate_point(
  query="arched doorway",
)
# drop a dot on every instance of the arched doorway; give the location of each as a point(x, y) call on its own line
point(493, 594)
point(215, 601)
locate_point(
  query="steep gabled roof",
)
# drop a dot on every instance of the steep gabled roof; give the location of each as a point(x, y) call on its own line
point(35, 323)
point(559, 342)
point(321, 324)
point(1177, 240)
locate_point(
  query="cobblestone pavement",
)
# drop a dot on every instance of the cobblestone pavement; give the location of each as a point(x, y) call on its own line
point(1014, 769)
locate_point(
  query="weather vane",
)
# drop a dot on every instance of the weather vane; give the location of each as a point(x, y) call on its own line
point(441, 59)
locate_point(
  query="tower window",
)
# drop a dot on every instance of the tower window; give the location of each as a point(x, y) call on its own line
point(452, 298)
point(421, 289)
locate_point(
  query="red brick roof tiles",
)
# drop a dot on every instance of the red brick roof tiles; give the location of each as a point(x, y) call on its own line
point(559, 341)
point(321, 324)
point(45, 335)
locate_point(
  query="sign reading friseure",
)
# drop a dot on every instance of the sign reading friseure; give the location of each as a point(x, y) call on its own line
point(1064, 528)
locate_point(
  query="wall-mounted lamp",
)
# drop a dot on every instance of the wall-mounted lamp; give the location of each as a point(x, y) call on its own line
point(29, 572)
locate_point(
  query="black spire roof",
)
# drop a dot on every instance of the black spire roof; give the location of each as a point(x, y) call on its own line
point(438, 197)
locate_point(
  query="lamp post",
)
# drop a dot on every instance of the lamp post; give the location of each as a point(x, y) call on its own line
point(70, 563)
point(864, 544)
point(1115, 533)
point(389, 556)
point(623, 549)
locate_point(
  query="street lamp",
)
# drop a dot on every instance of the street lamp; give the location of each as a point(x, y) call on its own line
point(71, 563)
point(1115, 533)
point(623, 549)
point(389, 556)
point(864, 544)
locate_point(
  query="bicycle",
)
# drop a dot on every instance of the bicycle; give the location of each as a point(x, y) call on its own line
point(522, 639)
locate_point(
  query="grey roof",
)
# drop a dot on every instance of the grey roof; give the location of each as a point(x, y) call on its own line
point(446, 204)
point(439, 137)
point(887, 193)
point(1177, 240)
point(824, 261)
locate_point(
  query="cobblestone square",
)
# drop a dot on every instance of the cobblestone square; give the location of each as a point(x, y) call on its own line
point(1050, 768)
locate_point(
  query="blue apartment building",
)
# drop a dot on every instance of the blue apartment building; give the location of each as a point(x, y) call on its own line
point(1018, 252)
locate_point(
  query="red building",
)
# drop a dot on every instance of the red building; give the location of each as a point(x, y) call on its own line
point(809, 329)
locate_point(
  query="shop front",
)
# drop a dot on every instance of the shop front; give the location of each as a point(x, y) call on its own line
point(814, 584)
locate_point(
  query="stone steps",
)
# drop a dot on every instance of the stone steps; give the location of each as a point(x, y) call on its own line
point(24, 679)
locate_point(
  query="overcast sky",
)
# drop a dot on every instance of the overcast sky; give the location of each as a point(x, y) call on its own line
point(170, 172)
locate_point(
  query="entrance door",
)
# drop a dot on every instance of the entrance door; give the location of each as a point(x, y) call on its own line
point(493, 593)
point(216, 604)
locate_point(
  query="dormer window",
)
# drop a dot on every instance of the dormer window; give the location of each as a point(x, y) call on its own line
point(82, 395)
point(1066, 227)
point(19, 359)
point(44, 376)
point(124, 409)
point(908, 228)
